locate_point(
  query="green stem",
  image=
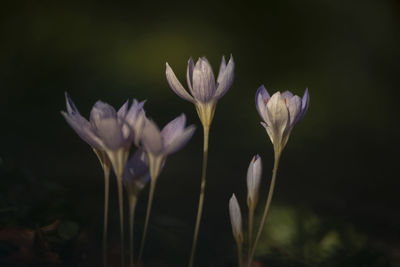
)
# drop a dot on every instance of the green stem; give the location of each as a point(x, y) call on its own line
point(121, 217)
point(240, 253)
point(106, 197)
point(146, 223)
point(251, 222)
point(267, 206)
point(206, 131)
point(132, 206)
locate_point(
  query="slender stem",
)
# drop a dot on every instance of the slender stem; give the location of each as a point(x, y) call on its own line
point(267, 206)
point(106, 197)
point(121, 217)
point(251, 222)
point(240, 253)
point(146, 223)
point(206, 131)
point(132, 206)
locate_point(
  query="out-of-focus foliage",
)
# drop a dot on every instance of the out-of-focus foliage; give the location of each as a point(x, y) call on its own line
point(301, 236)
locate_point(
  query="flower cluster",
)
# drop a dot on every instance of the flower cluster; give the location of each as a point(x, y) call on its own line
point(279, 113)
point(111, 134)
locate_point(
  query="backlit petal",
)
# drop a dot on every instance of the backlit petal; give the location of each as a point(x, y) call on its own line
point(225, 79)
point(151, 138)
point(175, 85)
point(236, 218)
point(203, 81)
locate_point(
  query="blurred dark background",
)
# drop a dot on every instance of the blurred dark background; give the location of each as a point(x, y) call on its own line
point(337, 195)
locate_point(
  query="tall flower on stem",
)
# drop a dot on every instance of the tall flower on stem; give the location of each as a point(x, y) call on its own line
point(236, 221)
point(136, 176)
point(253, 184)
point(83, 128)
point(111, 133)
point(158, 145)
point(204, 94)
point(279, 113)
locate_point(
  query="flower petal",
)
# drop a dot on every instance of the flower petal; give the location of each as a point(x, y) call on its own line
point(135, 120)
point(71, 108)
point(203, 81)
point(278, 116)
point(222, 68)
point(110, 131)
point(262, 98)
point(101, 111)
point(123, 109)
point(180, 141)
point(294, 107)
point(286, 95)
point(175, 85)
point(225, 79)
point(83, 128)
point(151, 138)
point(189, 74)
point(172, 129)
point(305, 102)
point(236, 218)
point(136, 174)
point(253, 180)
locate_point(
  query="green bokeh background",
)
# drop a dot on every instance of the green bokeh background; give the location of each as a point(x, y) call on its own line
point(336, 200)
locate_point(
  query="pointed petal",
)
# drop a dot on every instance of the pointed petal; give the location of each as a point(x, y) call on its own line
point(123, 110)
point(236, 218)
point(304, 104)
point(189, 74)
point(83, 128)
point(294, 107)
point(71, 108)
point(278, 116)
point(135, 121)
point(262, 98)
point(175, 85)
point(203, 81)
point(225, 79)
point(221, 68)
point(180, 141)
point(172, 129)
point(151, 138)
point(253, 180)
point(110, 131)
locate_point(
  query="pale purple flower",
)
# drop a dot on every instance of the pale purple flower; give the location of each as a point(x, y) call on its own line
point(159, 144)
point(280, 113)
point(236, 219)
point(204, 90)
point(253, 181)
point(108, 130)
point(136, 174)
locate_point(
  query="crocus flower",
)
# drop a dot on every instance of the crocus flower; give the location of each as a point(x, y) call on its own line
point(280, 113)
point(236, 219)
point(112, 133)
point(204, 91)
point(136, 174)
point(108, 130)
point(253, 180)
point(159, 144)
point(84, 129)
